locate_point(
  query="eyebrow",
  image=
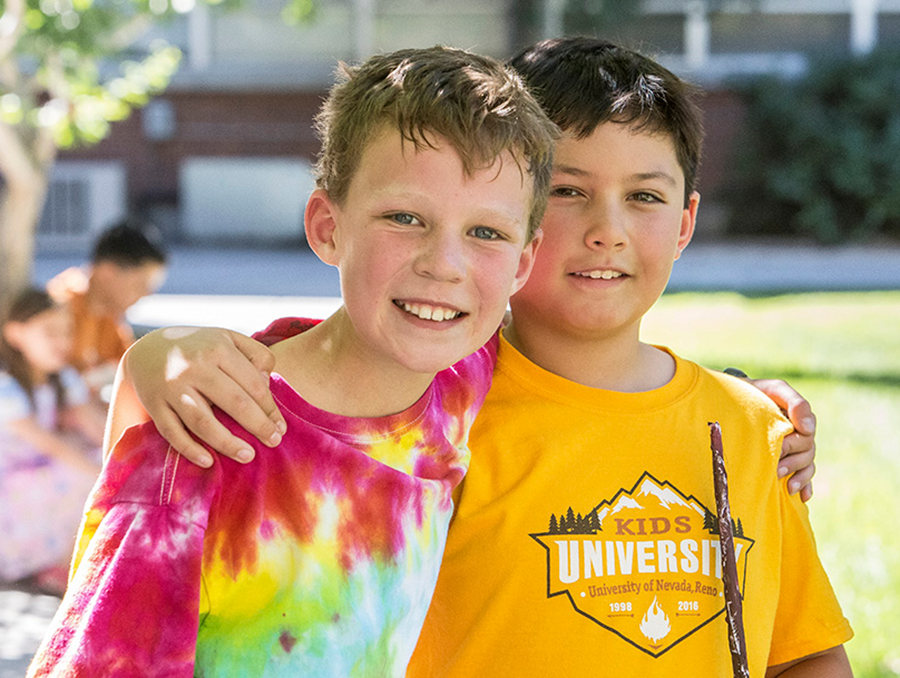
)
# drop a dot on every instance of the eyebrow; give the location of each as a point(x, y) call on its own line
point(664, 176)
point(640, 176)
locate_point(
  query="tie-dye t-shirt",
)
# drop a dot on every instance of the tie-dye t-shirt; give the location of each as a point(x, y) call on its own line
point(318, 558)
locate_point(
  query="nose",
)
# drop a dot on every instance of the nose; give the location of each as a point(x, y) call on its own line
point(441, 257)
point(605, 229)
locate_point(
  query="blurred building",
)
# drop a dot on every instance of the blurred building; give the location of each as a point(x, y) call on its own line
point(224, 154)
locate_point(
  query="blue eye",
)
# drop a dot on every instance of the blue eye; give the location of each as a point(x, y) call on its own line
point(403, 218)
point(485, 233)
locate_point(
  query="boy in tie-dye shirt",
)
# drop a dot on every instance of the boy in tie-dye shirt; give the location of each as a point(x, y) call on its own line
point(321, 558)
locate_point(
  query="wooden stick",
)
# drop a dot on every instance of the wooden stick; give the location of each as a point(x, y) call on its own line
point(733, 603)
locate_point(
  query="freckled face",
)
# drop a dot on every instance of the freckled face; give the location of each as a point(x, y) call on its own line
point(615, 224)
point(428, 254)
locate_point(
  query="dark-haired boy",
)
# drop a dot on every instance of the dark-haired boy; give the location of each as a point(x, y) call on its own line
point(128, 263)
point(584, 544)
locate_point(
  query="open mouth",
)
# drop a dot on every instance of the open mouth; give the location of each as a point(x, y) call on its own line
point(429, 312)
point(598, 274)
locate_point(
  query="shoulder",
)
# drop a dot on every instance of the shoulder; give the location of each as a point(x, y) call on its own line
point(728, 388)
point(284, 328)
point(742, 407)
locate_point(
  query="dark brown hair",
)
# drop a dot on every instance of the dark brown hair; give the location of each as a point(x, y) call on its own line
point(29, 303)
point(583, 82)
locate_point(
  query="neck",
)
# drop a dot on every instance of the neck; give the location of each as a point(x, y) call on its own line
point(330, 368)
point(615, 362)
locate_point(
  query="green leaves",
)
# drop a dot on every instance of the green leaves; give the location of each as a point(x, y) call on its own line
point(819, 156)
point(64, 74)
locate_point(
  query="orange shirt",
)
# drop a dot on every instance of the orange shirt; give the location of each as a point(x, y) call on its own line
point(99, 339)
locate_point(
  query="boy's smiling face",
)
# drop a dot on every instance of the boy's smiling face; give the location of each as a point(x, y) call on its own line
point(615, 224)
point(428, 255)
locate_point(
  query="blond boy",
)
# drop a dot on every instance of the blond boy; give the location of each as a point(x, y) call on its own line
point(320, 558)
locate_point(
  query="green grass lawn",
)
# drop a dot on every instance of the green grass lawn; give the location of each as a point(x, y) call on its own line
point(842, 351)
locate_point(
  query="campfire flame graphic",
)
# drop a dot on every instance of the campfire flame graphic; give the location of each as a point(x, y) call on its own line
point(655, 624)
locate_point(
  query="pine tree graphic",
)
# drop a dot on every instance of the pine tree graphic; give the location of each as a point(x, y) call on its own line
point(739, 530)
point(593, 522)
point(710, 522)
point(571, 525)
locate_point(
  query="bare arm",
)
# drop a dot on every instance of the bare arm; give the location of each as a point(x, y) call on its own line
point(174, 375)
point(52, 445)
point(831, 663)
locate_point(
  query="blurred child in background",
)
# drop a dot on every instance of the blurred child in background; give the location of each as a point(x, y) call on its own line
point(49, 442)
point(128, 263)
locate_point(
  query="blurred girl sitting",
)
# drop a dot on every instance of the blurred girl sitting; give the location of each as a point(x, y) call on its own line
point(49, 442)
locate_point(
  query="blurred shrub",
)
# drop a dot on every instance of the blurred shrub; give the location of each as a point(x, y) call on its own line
point(821, 156)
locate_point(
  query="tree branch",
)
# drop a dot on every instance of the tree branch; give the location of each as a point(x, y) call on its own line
point(12, 25)
point(16, 164)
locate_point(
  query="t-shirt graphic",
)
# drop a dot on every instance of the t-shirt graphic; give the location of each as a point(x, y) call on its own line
point(643, 564)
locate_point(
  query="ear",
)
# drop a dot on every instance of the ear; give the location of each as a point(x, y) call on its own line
point(688, 222)
point(320, 222)
point(526, 261)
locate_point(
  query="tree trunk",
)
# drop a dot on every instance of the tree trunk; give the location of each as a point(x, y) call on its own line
point(26, 156)
point(20, 209)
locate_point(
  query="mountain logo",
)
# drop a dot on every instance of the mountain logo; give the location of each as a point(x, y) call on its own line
point(644, 565)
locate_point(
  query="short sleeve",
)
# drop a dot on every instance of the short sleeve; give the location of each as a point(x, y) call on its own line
point(808, 618)
point(14, 404)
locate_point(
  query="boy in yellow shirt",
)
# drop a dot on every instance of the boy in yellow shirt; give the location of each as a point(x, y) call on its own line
point(583, 542)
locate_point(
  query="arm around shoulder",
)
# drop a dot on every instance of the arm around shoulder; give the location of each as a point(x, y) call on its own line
point(832, 663)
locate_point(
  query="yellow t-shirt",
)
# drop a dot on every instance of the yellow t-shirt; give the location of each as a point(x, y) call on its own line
point(583, 543)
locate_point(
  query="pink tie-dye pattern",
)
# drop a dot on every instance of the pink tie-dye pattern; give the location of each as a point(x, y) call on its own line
point(162, 525)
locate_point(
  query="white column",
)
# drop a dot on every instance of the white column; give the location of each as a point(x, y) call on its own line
point(363, 28)
point(552, 24)
point(863, 26)
point(199, 38)
point(696, 34)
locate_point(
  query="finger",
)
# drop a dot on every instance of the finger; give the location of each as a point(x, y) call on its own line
point(797, 408)
point(241, 403)
point(806, 493)
point(262, 358)
point(248, 399)
point(797, 443)
point(171, 428)
point(801, 479)
point(795, 463)
point(197, 416)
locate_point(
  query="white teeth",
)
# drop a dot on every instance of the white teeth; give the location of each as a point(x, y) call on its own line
point(434, 313)
point(605, 275)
